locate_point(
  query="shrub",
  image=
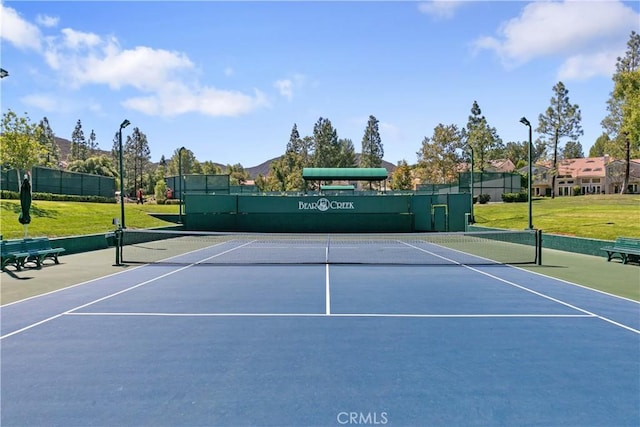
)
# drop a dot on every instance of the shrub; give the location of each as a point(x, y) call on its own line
point(484, 198)
point(160, 191)
point(13, 195)
point(515, 197)
point(576, 190)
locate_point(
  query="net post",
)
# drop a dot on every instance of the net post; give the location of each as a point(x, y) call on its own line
point(539, 247)
point(118, 234)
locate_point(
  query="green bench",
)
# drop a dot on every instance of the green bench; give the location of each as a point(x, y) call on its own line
point(625, 248)
point(19, 252)
point(12, 253)
point(39, 249)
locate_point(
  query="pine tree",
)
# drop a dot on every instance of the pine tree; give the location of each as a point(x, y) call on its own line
point(372, 149)
point(78, 143)
point(92, 143)
point(561, 120)
point(51, 151)
point(572, 150)
point(326, 145)
point(482, 138)
point(137, 157)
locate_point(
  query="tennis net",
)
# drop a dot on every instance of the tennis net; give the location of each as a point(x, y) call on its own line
point(466, 248)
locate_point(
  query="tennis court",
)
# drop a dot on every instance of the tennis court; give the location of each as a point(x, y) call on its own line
point(322, 330)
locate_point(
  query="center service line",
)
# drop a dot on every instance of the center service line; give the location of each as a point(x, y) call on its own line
point(327, 291)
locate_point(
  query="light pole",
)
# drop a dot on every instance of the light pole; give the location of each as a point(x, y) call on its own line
point(526, 122)
point(123, 125)
point(180, 178)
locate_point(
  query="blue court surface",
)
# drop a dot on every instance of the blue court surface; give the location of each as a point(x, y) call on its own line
point(321, 345)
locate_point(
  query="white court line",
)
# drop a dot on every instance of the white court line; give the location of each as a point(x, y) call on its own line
point(71, 286)
point(566, 304)
point(399, 315)
point(327, 292)
point(100, 278)
point(26, 328)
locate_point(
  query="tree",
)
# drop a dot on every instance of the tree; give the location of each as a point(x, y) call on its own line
point(346, 156)
point(50, 156)
point(137, 157)
point(237, 174)
point(623, 120)
point(78, 144)
point(600, 147)
point(572, 150)
point(98, 165)
point(438, 158)
point(518, 153)
point(372, 149)
point(326, 145)
point(481, 137)
point(401, 178)
point(92, 143)
point(19, 143)
point(209, 168)
point(561, 120)
point(190, 164)
point(627, 92)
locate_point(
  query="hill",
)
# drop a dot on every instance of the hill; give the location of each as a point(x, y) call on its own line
point(261, 169)
point(65, 149)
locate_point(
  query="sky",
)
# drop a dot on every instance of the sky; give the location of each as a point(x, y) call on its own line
point(228, 80)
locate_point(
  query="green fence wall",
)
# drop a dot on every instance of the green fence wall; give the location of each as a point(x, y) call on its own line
point(55, 181)
point(381, 213)
point(206, 184)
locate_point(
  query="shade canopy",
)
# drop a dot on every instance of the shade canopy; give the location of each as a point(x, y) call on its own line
point(351, 174)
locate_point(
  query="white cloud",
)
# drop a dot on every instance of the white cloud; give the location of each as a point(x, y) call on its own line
point(585, 66)
point(17, 31)
point(285, 87)
point(87, 59)
point(585, 30)
point(77, 39)
point(179, 99)
point(440, 9)
point(48, 103)
point(47, 21)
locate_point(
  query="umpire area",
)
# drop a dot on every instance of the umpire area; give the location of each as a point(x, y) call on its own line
point(331, 208)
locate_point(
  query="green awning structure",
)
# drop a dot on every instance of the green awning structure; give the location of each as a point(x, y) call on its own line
point(351, 174)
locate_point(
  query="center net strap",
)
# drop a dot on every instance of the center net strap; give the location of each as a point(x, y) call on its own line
point(191, 247)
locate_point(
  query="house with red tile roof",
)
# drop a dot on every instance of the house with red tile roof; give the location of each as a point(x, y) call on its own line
point(591, 175)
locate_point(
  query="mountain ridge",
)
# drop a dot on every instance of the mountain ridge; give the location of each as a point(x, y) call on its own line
point(254, 171)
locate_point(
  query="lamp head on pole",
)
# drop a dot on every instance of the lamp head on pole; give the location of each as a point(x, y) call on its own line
point(3, 73)
point(125, 124)
point(525, 122)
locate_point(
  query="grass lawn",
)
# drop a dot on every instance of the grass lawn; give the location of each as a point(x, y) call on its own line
point(598, 217)
point(57, 219)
